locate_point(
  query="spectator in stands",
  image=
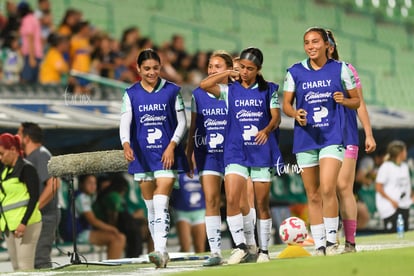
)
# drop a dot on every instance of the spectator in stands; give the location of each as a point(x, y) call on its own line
point(365, 186)
point(31, 43)
point(156, 157)
point(42, 7)
point(12, 60)
point(70, 20)
point(32, 138)
point(393, 186)
point(318, 135)
point(190, 209)
point(13, 21)
point(94, 230)
point(178, 52)
point(3, 21)
point(346, 177)
point(130, 37)
point(80, 55)
point(110, 207)
point(121, 71)
point(44, 14)
point(54, 68)
point(103, 58)
point(130, 60)
point(145, 43)
point(20, 218)
point(197, 69)
point(168, 71)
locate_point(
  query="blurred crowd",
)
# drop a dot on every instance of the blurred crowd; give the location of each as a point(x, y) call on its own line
point(35, 50)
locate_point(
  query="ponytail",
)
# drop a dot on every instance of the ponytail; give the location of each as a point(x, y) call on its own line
point(263, 85)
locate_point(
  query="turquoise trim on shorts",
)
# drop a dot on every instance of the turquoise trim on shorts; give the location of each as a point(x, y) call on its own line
point(149, 176)
point(192, 217)
point(311, 158)
point(209, 172)
point(262, 174)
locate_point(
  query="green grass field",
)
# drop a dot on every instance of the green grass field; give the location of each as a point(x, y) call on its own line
point(377, 255)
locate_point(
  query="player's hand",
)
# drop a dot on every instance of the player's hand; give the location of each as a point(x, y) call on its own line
point(261, 137)
point(370, 144)
point(339, 97)
point(167, 158)
point(128, 153)
point(300, 117)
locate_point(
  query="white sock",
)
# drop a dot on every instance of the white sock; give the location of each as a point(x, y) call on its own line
point(248, 227)
point(331, 227)
point(161, 223)
point(264, 227)
point(253, 210)
point(319, 235)
point(150, 215)
point(236, 228)
point(213, 229)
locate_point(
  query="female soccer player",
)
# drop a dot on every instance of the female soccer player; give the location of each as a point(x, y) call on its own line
point(250, 147)
point(206, 140)
point(346, 177)
point(152, 126)
point(316, 84)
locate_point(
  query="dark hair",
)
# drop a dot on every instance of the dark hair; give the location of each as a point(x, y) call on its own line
point(23, 9)
point(32, 130)
point(80, 25)
point(10, 38)
point(54, 39)
point(82, 179)
point(8, 141)
point(69, 12)
point(147, 54)
point(332, 42)
point(322, 32)
point(258, 61)
point(118, 184)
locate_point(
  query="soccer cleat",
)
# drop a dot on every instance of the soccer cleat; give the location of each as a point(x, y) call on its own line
point(213, 260)
point(263, 258)
point(251, 256)
point(331, 250)
point(160, 260)
point(237, 256)
point(349, 248)
point(320, 251)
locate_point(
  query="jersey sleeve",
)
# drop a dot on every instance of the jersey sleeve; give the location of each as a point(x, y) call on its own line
point(224, 93)
point(193, 104)
point(179, 103)
point(274, 102)
point(356, 75)
point(347, 77)
point(126, 119)
point(289, 83)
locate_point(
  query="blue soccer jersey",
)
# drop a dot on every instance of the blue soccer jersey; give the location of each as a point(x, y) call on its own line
point(153, 124)
point(211, 123)
point(248, 113)
point(314, 91)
